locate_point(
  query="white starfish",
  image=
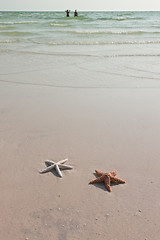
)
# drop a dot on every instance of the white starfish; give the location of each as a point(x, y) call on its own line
point(57, 166)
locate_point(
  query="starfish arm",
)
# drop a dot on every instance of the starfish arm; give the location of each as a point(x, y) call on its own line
point(117, 180)
point(113, 173)
point(48, 169)
point(97, 180)
point(58, 170)
point(107, 183)
point(99, 173)
point(63, 166)
point(49, 162)
point(62, 161)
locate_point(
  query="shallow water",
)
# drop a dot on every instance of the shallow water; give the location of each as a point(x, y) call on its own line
point(96, 49)
point(35, 30)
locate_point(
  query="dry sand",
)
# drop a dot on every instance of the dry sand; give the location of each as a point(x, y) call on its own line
point(104, 129)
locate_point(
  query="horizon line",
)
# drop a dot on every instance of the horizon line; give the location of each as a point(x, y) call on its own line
point(80, 10)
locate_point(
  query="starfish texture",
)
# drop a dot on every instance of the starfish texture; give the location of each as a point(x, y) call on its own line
point(57, 165)
point(107, 178)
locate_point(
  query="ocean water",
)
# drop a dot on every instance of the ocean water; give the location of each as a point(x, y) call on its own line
point(104, 42)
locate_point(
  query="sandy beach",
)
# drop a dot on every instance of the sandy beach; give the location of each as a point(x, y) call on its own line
point(106, 129)
point(87, 90)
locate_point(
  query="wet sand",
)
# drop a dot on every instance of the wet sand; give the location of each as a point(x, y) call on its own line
point(107, 130)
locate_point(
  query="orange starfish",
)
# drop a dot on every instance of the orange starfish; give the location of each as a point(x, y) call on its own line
point(107, 178)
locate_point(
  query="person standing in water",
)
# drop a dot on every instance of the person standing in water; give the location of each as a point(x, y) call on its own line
point(67, 13)
point(75, 13)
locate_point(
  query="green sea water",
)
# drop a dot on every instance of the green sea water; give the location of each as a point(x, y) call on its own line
point(36, 30)
point(102, 49)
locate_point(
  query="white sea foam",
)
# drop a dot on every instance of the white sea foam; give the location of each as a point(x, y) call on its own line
point(69, 43)
point(14, 23)
point(10, 41)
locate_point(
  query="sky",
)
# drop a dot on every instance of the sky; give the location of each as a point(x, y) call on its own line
point(61, 5)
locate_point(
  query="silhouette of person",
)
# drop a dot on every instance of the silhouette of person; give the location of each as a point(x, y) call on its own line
point(75, 13)
point(67, 13)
